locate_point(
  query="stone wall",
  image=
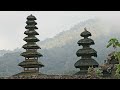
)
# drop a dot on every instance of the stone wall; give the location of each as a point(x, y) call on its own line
point(56, 77)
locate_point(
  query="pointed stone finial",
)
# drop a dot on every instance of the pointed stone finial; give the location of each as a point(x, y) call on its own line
point(85, 29)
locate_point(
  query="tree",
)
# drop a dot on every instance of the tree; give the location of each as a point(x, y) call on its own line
point(115, 43)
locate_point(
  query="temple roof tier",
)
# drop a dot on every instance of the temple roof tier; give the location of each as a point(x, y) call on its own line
point(31, 22)
point(86, 51)
point(31, 64)
point(31, 17)
point(31, 32)
point(31, 54)
point(31, 39)
point(86, 62)
point(31, 27)
point(86, 41)
point(31, 46)
point(85, 33)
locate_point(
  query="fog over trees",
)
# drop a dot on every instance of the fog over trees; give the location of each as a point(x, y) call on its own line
point(59, 52)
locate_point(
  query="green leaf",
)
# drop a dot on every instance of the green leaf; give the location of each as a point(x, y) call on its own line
point(109, 45)
point(113, 42)
point(119, 45)
point(117, 55)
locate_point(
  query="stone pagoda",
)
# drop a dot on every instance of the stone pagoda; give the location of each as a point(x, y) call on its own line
point(85, 53)
point(31, 64)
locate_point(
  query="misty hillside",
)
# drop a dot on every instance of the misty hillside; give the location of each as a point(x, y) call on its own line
point(59, 53)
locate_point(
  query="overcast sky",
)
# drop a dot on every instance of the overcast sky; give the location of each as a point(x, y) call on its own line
point(49, 23)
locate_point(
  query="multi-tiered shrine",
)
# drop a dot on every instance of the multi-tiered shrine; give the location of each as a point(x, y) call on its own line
point(31, 55)
point(86, 53)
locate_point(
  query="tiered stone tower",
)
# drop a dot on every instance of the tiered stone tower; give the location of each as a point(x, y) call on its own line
point(86, 53)
point(31, 64)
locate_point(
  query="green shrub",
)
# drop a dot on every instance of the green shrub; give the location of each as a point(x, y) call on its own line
point(98, 72)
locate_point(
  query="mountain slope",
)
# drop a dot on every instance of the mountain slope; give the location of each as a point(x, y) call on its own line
point(59, 53)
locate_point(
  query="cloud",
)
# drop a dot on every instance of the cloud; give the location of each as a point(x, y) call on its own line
point(50, 23)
